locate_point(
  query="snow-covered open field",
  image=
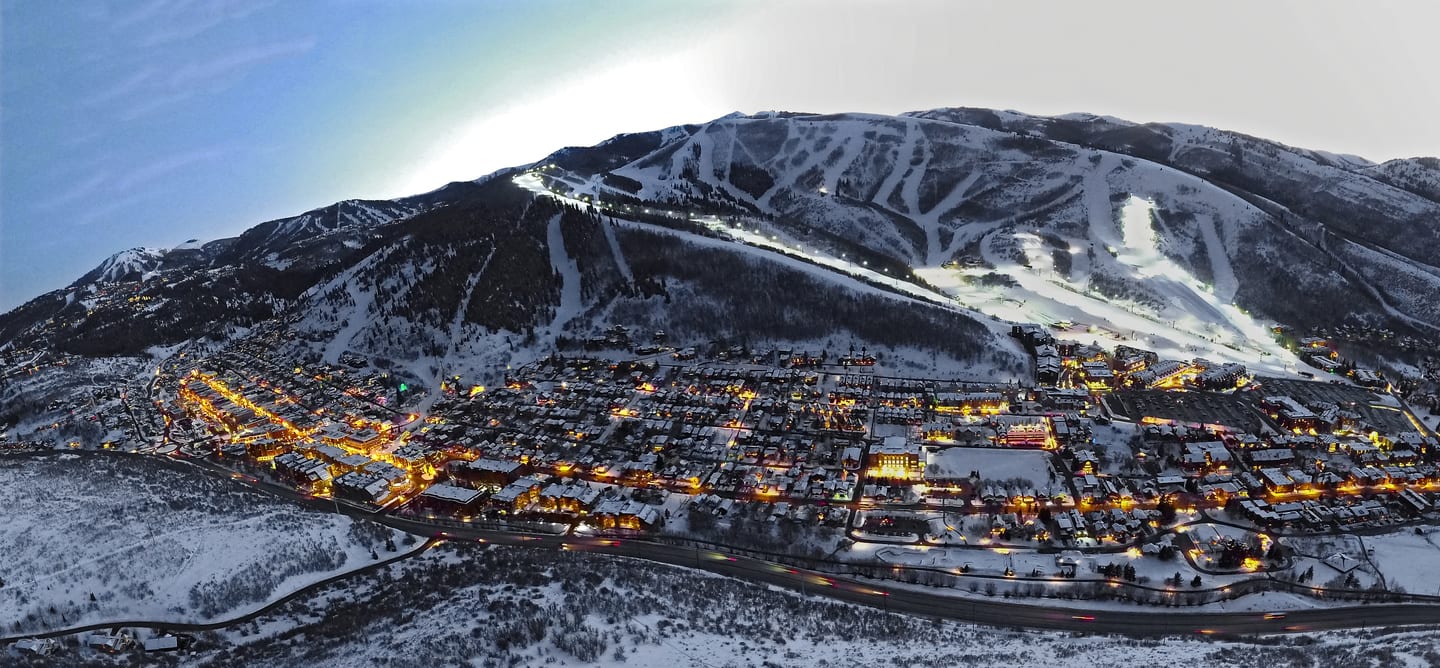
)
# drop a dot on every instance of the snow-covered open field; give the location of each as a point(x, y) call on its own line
point(94, 538)
point(991, 463)
point(1407, 559)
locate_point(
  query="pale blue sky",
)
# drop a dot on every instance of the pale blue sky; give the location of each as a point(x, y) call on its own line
point(150, 122)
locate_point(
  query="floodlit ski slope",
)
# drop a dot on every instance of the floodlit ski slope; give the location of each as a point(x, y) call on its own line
point(1196, 324)
point(560, 260)
point(755, 238)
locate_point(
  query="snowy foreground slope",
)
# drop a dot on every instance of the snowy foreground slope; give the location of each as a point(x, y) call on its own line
point(95, 538)
point(466, 605)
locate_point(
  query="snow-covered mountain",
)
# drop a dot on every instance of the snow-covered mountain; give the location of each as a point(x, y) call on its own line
point(1299, 236)
point(128, 265)
point(816, 228)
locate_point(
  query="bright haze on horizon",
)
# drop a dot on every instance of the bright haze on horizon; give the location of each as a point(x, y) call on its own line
point(149, 123)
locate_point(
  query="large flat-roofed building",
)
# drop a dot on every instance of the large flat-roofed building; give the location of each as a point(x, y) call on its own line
point(970, 402)
point(1290, 413)
point(493, 472)
point(895, 457)
point(450, 498)
point(1024, 431)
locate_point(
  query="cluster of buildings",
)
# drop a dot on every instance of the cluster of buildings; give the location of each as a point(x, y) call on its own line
point(607, 442)
point(1070, 364)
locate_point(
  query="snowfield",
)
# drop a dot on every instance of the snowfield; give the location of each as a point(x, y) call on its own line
point(992, 463)
point(1407, 559)
point(95, 537)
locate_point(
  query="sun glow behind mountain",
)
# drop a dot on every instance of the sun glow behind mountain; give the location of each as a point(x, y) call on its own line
point(582, 110)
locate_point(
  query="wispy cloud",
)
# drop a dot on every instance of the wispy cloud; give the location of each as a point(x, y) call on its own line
point(238, 60)
point(125, 87)
point(165, 165)
point(75, 192)
point(150, 89)
point(142, 12)
point(102, 192)
point(154, 102)
point(110, 207)
point(194, 18)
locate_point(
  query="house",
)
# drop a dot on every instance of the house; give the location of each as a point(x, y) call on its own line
point(568, 498)
point(361, 487)
point(1047, 369)
point(264, 448)
point(1130, 359)
point(364, 439)
point(1323, 363)
point(349, 463)
point(1032, 335)
point(1368, 378)
point(1270, 457)
point(626, 514)
point(1098, 375)
point(1222, 377)
point(516, 496)
point(1276, 481)
point(491, 472)
point(325, 452)
point(416, 458)
point(108, 643)
point(302, 471)
point(1290, 413)
point(1066, 399)
point(36, 646)
point(1160, 373)
point(393, 475)
point(450, 499)
point(161, 644)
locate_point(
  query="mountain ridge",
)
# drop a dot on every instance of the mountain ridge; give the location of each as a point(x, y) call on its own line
point(957, 201)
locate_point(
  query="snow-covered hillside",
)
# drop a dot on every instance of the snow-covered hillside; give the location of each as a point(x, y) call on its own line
point(128, 265)
point(974, 188)
point(91, 538)
point(1119, 270)
point(515, 285)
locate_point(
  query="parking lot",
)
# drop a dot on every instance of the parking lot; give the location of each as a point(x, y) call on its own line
point(1236, 411)
point(1365, 402)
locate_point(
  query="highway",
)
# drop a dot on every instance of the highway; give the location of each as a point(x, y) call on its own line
point(1137, 621)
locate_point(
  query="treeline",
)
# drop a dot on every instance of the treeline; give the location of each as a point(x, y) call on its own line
point(723, 291)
